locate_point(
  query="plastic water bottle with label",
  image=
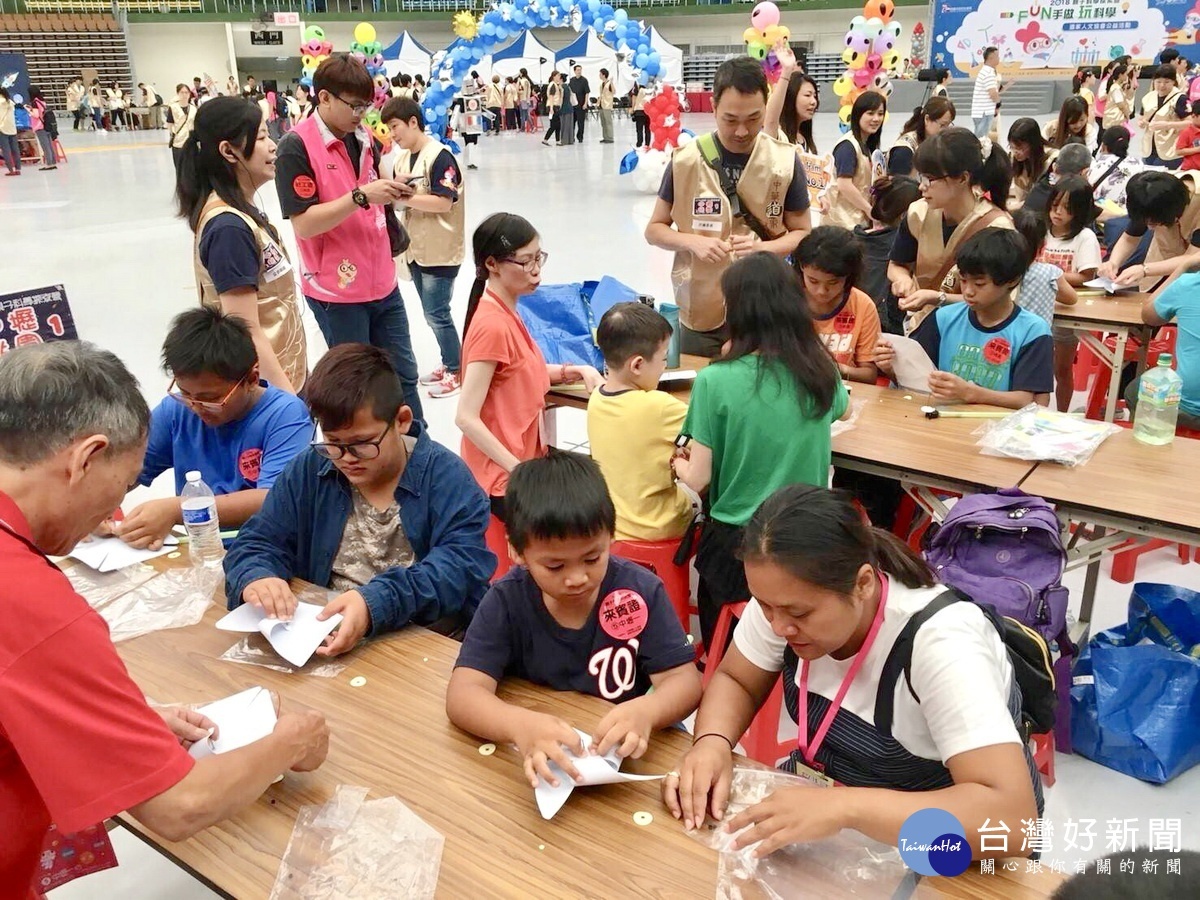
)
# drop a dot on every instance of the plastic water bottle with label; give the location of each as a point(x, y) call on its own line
point(1158, 404)
point(200, 520)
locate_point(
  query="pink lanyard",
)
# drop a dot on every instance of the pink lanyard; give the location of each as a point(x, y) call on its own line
point(809, 751)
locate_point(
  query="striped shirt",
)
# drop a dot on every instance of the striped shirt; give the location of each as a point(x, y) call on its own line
point(982, 103)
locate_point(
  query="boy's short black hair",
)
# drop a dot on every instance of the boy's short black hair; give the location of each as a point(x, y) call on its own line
point(999, 253)
point(1033, 226)
point(205, 340)
point(833, 250)
point(404, 109)
point(344, 76)
point(743, 74)
point(1195, 108)
point(628, 330)
point(349, 377)
point(557, 496)
point(1168, 56)
point(1156, 198)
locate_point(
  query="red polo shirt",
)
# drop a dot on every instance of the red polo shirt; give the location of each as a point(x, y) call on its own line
point(77, 741)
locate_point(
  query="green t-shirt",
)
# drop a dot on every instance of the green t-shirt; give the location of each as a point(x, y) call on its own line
point(762, 435)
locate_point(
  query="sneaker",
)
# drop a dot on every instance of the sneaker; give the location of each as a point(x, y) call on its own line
point(447, 387)
point(434, 377)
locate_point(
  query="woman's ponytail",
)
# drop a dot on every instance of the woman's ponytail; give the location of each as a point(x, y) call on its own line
point(995, 177)
point(899, 560)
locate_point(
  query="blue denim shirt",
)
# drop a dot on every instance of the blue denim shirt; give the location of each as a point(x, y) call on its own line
point(444, 512)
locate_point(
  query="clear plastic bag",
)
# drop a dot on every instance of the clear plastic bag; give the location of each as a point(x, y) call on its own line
point(1038, 434)
point(101, 588)
point(848, 864)
point(353, 847)
point(175, 599)
point(856, 407)
point(253, 650)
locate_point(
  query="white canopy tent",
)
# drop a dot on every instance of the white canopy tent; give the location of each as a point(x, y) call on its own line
point(526, 52)
point(406, 56)
point(593, 55)
point(670, 58)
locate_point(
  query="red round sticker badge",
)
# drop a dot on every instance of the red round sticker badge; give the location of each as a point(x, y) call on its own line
point(997, 351)
point(304, 187)
point(623, 614)
point(250, 464)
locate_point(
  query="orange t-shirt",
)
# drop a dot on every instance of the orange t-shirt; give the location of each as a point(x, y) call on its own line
point(851, 331)
point(516, 398)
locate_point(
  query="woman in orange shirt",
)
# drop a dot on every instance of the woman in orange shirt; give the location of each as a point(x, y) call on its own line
point(505, 377)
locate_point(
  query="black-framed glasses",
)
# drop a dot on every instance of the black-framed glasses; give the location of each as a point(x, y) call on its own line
point(210, 406)
point(357, 108)
point(362, 450)
point(924, 181)
point(529, 264)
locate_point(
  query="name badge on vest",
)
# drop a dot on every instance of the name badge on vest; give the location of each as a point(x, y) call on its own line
point(275, 263)
point(707, 214)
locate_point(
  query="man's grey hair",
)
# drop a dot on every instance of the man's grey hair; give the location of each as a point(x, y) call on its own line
point(53, 394)
point(1073, 159)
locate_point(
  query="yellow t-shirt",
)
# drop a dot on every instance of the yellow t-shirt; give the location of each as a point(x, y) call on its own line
point(632, 435)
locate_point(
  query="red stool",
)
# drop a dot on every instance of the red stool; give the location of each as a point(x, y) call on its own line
point(659, 558)
point(1043, 756)
point(496, 538)
point(761, 740)
point(1086, 365)
point(1163, 342)
point(60, 155)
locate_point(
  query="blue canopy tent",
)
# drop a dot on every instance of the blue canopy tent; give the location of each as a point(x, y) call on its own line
point(525, 52)
point(407, 56)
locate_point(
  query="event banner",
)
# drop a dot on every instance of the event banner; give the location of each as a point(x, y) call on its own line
point(1054, 37)
point(35, 317)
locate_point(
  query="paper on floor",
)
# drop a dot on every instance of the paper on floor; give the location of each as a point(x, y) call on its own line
point(295, 641)
point(240, 719)
point(107, 554)
point(594, 769)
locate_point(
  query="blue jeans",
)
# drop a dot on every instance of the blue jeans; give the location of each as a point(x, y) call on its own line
point(381, 323)
point(435, 294)
point(983, 124)
point(11, 151)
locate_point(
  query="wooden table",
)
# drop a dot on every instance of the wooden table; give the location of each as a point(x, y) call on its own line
point(1119, 314)
point(392, 736)
point(1140, 491)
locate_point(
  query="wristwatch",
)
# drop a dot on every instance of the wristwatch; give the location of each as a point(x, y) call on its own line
point(360, 198)
point(941, 298)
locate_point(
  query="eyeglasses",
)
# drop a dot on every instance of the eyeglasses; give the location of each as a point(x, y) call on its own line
point(204, 405)
point(361, 450)
point(924, 181)
point(357, 108)
point(529, 265)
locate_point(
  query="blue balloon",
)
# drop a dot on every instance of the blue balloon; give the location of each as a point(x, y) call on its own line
point(628, 162)
point(487, 27)
point(641, 60)
point(593, 5)
point(654, 57)
point(477, 53)
point(606, 11)
point(643, 79)
point(519, 17)
point(501, 33)
point(453, 147)
point(440, 110)
point(651, 68)
point(621, 15)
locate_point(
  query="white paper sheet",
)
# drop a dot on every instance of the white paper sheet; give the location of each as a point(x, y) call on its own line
point(107, 554)
point(594, 769)
point(1109, 286)
point(677, 376)
point(295, 641)
point(240, 719)
point(912, 366)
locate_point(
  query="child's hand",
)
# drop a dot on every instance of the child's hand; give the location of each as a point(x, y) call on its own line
point(917, 299)
point(681, 465)
point(904, 285)
point(885, 356)
point(743, 244)
point(541, 738)
point(948, 386)
point(626, 727)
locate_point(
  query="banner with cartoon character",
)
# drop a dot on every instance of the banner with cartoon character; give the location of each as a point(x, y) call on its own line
point(1055, 37)
point(14, 75)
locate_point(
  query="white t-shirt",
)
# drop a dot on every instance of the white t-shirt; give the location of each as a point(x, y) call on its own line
point(982, 103)
point(1078, 254)
point(960, 670)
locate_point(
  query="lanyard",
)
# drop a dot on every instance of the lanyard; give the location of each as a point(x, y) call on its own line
point(807, 750)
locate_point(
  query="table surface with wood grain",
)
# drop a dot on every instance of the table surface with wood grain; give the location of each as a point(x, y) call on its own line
point(392, 736)
point(1115, 310)
point(1129, 479)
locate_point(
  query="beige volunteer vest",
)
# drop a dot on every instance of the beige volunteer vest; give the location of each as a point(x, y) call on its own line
point(925, 225)
point(841, 213)
point(701, 207)
point(1171, 242)
point(278, 313)
point(437, 239)
point(1161, 142)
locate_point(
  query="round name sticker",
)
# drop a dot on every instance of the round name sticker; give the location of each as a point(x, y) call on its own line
point(304, 187)
point(623, 614)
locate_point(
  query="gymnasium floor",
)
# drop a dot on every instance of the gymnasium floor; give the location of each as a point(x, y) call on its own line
point(103, 225)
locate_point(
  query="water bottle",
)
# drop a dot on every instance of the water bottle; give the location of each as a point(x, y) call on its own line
point(1158, 404)
point(200, 520)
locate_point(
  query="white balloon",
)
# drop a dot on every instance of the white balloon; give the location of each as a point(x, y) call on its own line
point(648, 175)
point(685, 139)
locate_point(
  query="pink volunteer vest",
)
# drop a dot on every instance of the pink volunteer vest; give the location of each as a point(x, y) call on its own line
point(353, 262)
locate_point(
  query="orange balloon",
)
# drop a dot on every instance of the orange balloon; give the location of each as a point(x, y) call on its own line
point(879, 9)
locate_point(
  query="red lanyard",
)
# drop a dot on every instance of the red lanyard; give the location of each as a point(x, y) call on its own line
point(809, 751)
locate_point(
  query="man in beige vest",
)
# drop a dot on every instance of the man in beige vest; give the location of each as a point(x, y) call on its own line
point(707, 223)
point(606, 107)
point(1169, 206)
point(435, 219)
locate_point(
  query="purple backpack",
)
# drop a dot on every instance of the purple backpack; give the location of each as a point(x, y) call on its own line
point(1005, 550)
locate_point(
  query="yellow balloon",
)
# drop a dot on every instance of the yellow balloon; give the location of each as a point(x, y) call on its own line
point(853, 58)
point(751, 34)
point(307, 62)
point(891, 59)
point(364, 33)
point(844, 114)
point(785, 33)
point(771, 33)
point(842, 86)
